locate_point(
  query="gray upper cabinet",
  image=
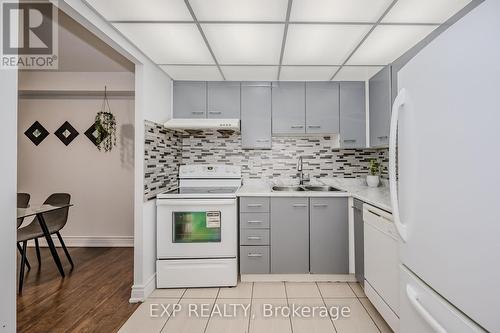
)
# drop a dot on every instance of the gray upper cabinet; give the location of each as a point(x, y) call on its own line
point(190, 99)
point(380, 107)
point(329, 236)
point(322, 107)
point(289, 235)
point(256, 115)
point(288, 104)
point(223, 100)
point(352, 115)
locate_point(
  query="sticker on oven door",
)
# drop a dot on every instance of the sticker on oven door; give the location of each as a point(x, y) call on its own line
point(213, 219)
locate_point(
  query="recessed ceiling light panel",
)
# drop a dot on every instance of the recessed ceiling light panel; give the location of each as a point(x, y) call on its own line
point(168, 43)
point(144, 10)
point(245, 43)
point(338, 10)
point(424, 11)
point(239, 10)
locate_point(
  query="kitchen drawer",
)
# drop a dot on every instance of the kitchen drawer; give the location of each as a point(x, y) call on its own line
point(254, 205)
point(254, 220)
point(254, 236)
point(254, 260)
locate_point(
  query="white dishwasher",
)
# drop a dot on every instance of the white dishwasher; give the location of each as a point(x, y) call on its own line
point(381, 257)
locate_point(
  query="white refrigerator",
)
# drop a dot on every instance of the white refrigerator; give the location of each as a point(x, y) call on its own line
point(446, 198)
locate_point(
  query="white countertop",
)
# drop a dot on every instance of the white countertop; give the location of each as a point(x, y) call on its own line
point(356, 188)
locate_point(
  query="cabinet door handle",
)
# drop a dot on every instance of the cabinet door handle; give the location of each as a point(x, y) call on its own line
point(382, 137)
point(215, 112)
point(198, 112)
point(320, 205)
point(314, 126)
point(297, 126)
point(299, 205)
point(262, 140)
point(350, 140)
point(254, 205)
point(254, 222)
point(254, 255)
point(254, 238)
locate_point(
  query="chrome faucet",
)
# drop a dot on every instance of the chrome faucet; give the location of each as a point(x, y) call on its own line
point(302, 177)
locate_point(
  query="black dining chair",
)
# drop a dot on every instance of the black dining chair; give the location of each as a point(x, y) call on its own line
point(55, 220)
point(23, 200)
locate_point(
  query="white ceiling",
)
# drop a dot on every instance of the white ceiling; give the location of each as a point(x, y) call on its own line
point(275, 39)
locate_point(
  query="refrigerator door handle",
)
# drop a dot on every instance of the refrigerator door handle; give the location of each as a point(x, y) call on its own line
point(399, 102)
point(429, 319)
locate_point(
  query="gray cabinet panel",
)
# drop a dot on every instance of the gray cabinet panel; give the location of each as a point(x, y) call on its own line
point(190, 99)
point(289, 235)
point(254, 259)
point(352, 115)
point(322, 107)
point(254, 236)
point(359, 262)
point(380, 107)
point(256, 115)
point(223, 100)
point(288, 103)
point(254, 204)
point(329, 236)
point(254, 220)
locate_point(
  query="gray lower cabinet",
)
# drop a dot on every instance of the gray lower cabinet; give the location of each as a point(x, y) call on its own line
point(322, 107)
point(254, 259)
point(254, 235)
point(380, 107)
point(190, 99)
point(289, 235)
point(352, 115)
point(256, 115)
point(329, 236)
point(359, 262)
point(288, 107)
point(223, 99)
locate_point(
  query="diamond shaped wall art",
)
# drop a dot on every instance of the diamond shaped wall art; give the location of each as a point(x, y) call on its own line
point(36, 133)
point(66, 133)
point(95, 135)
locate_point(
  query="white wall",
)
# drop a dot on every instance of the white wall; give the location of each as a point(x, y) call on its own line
point(8, 138)
point(152, 102)
point(154, 97)
point(101, 183)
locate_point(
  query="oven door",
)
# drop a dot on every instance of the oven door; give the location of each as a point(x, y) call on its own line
point(196, 228)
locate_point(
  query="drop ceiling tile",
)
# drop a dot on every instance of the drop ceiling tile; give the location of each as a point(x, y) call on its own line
point(250, 73)
point(424, 11)
point(314, 44)
point(338, 10)
point(357, 73)
point(242, 44)
point(168, 43)
point(133, 10)
point(386, 43)
point(239, 10)
point(307, 73)
point(197, 73)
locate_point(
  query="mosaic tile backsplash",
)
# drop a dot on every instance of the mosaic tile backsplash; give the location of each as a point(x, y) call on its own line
point(165, 150)
point(321, 157)
point(162, 157)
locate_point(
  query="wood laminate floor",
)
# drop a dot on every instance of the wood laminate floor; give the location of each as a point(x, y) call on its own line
point(94, 297)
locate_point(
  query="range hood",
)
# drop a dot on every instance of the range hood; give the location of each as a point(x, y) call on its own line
point(202, 125)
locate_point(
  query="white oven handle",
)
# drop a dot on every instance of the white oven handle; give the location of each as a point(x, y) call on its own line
point(197, 202)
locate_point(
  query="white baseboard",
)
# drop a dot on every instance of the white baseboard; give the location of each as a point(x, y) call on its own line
point(89, 241)
point(142, 291)
point(298, 277)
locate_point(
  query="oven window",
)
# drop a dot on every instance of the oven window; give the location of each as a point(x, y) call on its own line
point(197, 227)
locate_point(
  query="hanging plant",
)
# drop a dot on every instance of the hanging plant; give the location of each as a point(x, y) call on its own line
point(105, 125)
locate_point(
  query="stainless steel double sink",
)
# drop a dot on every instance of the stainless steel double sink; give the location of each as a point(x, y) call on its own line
point(317, 188)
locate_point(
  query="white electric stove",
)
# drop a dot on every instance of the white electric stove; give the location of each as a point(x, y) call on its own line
point(197, 230)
